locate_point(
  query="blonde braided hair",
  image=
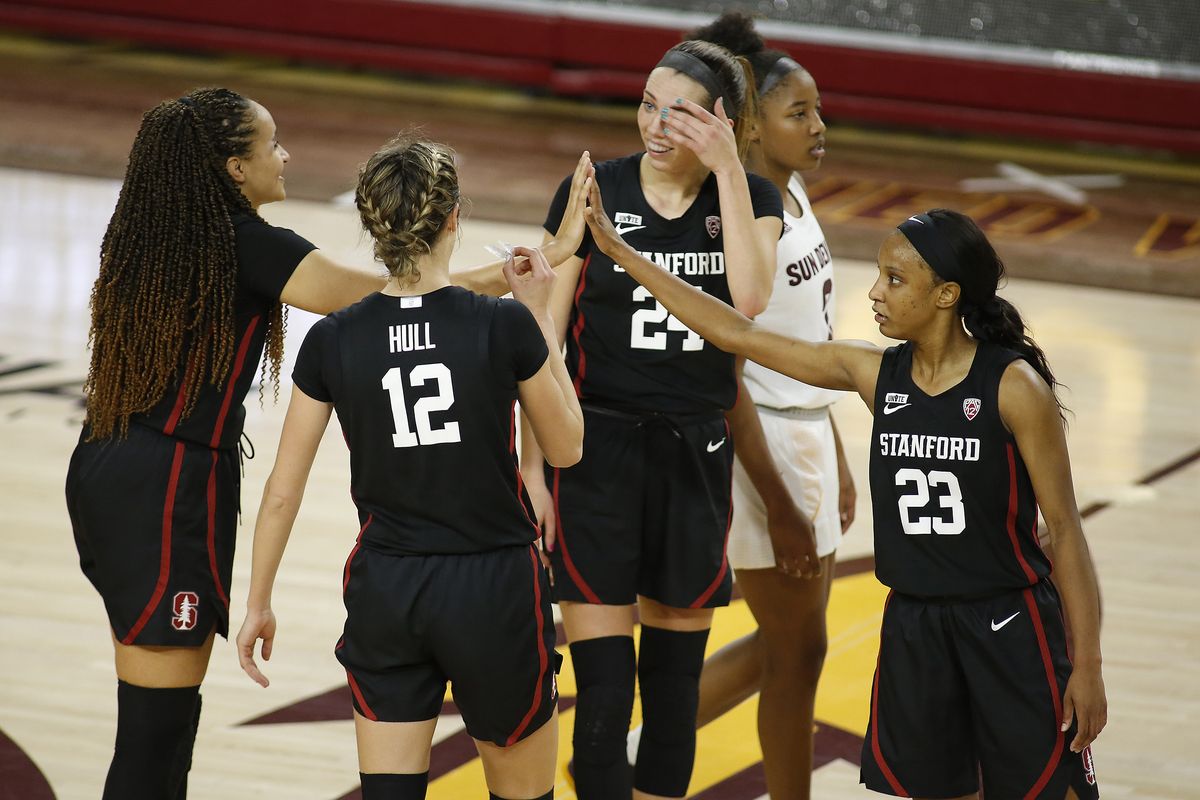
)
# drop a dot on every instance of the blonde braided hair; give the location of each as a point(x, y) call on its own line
point(406, 193)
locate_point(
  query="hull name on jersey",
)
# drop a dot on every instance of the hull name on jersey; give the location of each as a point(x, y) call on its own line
point(685, 263)
point(809, 266)
point(920, 445)
point(409, 337)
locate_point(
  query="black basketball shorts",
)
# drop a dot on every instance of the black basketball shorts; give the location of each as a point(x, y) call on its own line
point(155, 520)
point(646, 512)
point(973, 687)
point(481, 621)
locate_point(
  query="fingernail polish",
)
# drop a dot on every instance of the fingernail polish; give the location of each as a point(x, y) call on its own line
point(663, 113)
point(678, 101)
point(666, 130)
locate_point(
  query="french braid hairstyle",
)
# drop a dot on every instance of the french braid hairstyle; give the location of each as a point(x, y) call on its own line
point(736, 78)
point(163, 304)
point(987, 316)
point(734, 30)
point(406, 193)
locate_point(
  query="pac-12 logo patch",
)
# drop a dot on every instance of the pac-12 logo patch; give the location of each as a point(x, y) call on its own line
point(186, 608)
point(971, 407)
point(713, 225)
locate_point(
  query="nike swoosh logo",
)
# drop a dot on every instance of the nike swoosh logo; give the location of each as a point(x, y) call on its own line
point(890, 409)
point(998, 625)
point(714, 447)
point(624, 229)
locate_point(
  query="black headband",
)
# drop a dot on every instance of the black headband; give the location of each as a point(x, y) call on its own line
point(698, 71)
point(922, 234)
point(780, 70)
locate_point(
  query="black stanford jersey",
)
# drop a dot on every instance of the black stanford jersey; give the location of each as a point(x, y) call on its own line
point(424, 389)
point(955, 514)
point(267, 257)
point(623, 349)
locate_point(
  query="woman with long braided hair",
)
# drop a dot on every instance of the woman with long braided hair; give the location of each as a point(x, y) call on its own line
point(424, 376)
point(190, 293)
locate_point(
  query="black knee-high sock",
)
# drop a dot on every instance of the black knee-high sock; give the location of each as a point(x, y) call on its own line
point(669, 665)
point(392, 786)
point(604, 678)
point(154, 728)
point(183, 760)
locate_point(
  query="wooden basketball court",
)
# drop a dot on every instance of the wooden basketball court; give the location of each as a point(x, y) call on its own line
point(1131, 360)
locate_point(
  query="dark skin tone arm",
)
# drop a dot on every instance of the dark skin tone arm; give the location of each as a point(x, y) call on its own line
point(1029, 410)
point(792, 536)
point(845, 365)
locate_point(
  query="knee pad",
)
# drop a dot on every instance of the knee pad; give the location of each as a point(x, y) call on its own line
point(153, 749)
point(604, 675)
point(669, 674)
point(385, 786)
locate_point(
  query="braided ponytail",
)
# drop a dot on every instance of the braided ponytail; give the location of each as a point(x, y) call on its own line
point(406, 193)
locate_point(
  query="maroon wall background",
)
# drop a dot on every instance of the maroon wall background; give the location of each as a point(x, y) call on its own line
point(577, 57)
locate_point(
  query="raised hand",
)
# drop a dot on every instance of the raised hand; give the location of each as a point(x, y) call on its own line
point(603, 233)
point(530, 278)
point(570, 230)
point(707, 134)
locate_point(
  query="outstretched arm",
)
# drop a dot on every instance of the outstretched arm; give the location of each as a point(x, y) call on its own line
point(842, 365)
point(302, 430)
point(1028, 408)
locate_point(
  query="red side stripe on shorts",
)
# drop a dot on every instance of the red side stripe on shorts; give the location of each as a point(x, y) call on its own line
point(164, 564)
point(577, 328)
point(561, 542)
point(238, 364)
point(875, 748)
point(212, 528)
point(512, 449)
point(702, 599)
point(543, 658)
point(366, 709)
point(1012, 515)
point(1059, 738)
point(353, 551)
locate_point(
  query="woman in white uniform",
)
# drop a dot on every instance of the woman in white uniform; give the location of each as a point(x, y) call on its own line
point(789, 513)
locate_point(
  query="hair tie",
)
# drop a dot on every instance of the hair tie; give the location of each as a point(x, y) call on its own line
point(697, 70)
point(779, 70)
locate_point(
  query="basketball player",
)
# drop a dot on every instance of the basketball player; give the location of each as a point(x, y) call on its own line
point(189, 295)
point(801, 461)
point(424, 376)
point(643, 518)
point(973, 676)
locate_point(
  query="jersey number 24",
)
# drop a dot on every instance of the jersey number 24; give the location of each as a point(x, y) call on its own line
point(643, 318)
point(393, 382)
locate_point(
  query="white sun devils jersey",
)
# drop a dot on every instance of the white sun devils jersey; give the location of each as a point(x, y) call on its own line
point(801, 306)
point(954, 510)
point(424, 390)
point(623, 349)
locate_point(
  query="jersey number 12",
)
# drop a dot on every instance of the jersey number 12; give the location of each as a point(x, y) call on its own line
point(393, 382)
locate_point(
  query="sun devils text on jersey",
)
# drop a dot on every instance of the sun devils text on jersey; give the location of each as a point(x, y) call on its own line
point(623, 349)
point(954, 509)
point(435, 376)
